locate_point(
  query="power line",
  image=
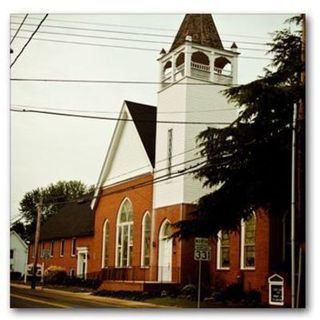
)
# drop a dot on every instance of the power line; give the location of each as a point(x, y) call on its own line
point(29, 39)
point(120, 47)
point(121, 39)
point(137, 27)
point(117, 112)
point(118, 119)
point(117, 81)
point(17, 31)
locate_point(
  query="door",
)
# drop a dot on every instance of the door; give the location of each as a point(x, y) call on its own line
point(165, 253)
point(82, 265)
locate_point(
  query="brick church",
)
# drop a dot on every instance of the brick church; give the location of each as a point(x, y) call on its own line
point(144, 185)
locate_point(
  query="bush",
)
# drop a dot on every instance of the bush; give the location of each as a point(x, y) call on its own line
point(55, 274)
point(15, 275)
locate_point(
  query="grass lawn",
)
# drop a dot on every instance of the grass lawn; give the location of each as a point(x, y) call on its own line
point(182, 303)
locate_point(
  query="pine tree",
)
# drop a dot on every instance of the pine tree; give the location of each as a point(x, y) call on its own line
point(249, 162)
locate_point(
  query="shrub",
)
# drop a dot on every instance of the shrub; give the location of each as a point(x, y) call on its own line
point(15, 275)
point(55, 274)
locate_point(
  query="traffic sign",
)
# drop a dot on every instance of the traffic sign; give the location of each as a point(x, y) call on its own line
point(203, 255)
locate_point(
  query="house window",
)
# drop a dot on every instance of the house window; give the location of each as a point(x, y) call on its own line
point(124, 235)
point(223, 250)
point(169, 155)
point(105, 245)
point(11, 253)
point(42, 250)
point(73, 246)
point(145, 244)
point(62, 248)
point(248, 243)
point(51, 248)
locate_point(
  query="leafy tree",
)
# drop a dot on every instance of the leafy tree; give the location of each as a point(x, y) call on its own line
point(249, 162)
point(54, 197)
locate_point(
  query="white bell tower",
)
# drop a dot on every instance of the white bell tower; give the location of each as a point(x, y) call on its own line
point(192, 75)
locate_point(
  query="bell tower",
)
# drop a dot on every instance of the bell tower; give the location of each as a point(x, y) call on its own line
point(192, 75)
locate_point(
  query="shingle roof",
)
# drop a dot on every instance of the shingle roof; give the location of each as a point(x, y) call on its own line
point(202, 29)
point(145, 119)
point(73, 220)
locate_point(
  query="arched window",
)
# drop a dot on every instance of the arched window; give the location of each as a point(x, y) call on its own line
point(145, 240)
point(167, 68)
point(124, 243)
point(105, 245)
point(200, 57)
point(222, 66)
point(223, 250)
point(248, 243)
point(180, 59)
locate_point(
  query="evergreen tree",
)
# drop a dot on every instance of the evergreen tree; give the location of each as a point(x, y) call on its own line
point(249, 162)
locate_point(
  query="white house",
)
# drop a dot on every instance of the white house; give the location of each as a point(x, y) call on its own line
point(18, 253)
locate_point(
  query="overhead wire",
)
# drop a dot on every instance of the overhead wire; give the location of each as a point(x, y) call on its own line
point(119, 119)
point(20, 26)
point(120, 39)
point(28, 41)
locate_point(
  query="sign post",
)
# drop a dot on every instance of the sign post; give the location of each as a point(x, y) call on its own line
point(202, 252)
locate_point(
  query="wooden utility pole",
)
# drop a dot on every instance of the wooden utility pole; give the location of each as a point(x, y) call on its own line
point(300, 173)
point(36, 245)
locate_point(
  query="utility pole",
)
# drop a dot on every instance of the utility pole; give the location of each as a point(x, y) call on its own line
point(36, 245)
point(300, 171)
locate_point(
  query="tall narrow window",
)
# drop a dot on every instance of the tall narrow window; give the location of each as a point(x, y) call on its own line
point(62, 248)
point(51, 248)
point(11, 253)
point(124, 235)
point(223, 250)
point(145, 244)
point(105, 245)
point(42, 250)
point(169, 155)
point(248, 243)
point(73, 246)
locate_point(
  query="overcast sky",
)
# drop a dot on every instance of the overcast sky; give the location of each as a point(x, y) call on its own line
point(45, 148)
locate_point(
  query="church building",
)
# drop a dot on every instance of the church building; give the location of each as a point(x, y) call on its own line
point(146, 181)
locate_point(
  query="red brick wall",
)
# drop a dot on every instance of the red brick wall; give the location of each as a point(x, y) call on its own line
point(252, 279)
point(107, 208)
point(68, 261)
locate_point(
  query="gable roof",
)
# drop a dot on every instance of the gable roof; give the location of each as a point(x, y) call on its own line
point(13, 233)
point(145, 119)
point(201, 28)
point(75, 219)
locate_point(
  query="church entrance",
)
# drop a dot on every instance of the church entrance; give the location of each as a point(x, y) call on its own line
point(165, 253)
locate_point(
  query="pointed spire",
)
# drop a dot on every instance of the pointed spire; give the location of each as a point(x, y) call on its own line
point(201, 28)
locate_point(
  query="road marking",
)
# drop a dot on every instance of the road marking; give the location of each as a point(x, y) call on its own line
point(58, 305)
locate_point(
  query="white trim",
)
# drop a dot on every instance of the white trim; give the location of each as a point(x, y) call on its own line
point(117, 234)
point(62, 254)
point(219, 267)
point(19, 238)
point(106, 221)
point(161, 251)
point(73, 247)
point(51, 248)
point(143, 235)
point(243, 227)
point(82, 251)
point(113, 145)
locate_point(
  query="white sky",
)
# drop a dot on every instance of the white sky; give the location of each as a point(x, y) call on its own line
point(45, 149)
point(88, 173)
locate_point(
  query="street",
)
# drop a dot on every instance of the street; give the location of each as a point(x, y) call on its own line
point(28, 298)
point(21, 296)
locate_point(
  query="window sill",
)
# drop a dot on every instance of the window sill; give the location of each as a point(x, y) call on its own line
point(223, 269)
point(248, 268)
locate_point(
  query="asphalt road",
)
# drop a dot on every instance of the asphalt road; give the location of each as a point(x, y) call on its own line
point(27, 298)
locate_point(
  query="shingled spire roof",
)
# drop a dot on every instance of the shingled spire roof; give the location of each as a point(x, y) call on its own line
point(201, 28)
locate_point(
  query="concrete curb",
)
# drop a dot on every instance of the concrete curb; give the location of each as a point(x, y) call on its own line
point(87, 296)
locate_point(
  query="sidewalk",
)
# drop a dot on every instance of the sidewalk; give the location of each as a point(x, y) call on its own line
point(87, 296)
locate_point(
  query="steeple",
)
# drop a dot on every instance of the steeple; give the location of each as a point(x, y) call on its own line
point(197, 53)
point(201, 28)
